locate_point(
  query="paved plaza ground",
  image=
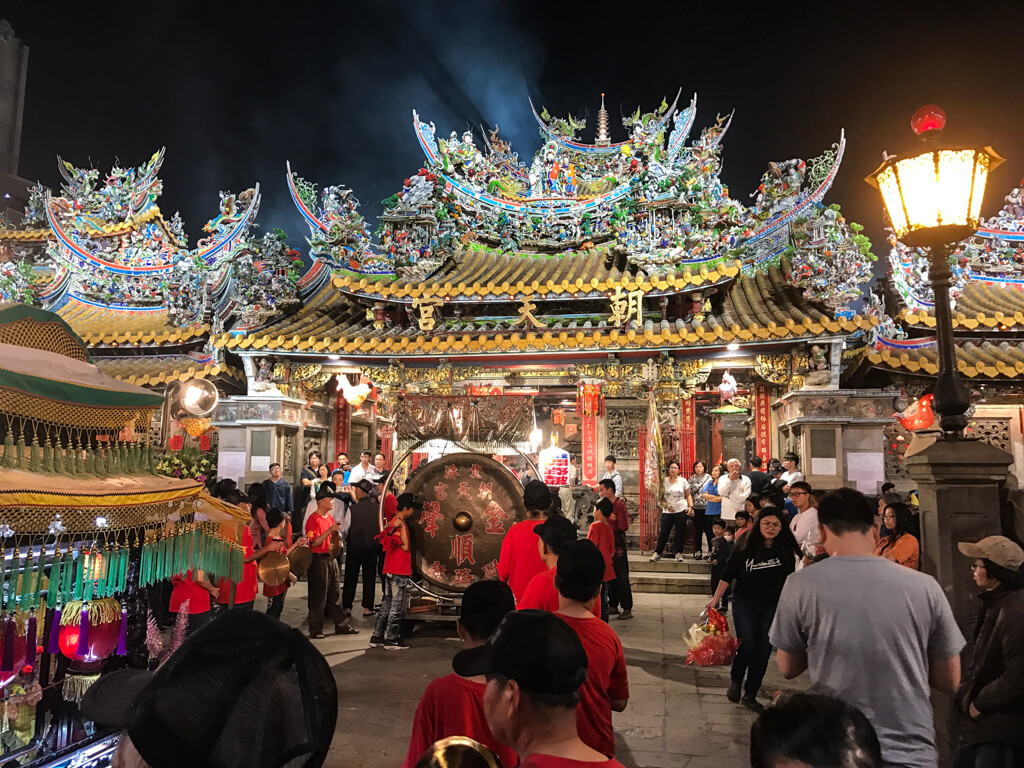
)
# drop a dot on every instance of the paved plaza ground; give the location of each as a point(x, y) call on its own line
point(677, 716)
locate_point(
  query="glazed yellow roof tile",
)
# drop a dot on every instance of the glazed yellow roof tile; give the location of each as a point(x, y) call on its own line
point(104, 326)
point(152, 371)
point(118, 228)
point(982, 306)
point(985, 359)
point(478, 275)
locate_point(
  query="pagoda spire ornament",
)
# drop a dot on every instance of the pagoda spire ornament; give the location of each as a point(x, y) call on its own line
point(603, 139)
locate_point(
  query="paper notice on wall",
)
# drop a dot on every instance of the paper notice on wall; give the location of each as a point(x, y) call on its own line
point(259, 464)
point(865, 470)
point(823, 466)
point(231, 464)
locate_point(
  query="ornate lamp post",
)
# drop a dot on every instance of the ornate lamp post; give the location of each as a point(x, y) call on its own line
point(934, 200)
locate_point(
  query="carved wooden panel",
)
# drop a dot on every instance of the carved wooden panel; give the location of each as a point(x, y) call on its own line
point(896, 441)
point(624, 431)
point(994, 431)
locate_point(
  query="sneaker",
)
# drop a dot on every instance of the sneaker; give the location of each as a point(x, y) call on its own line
point(679, 558)
point(397, 645)
point(733, 694)
point(625, 615)
point(345, 629)
point(697, 555)
point(655, 557)
point(613, 611)
point(752, 704)
point(376, 642)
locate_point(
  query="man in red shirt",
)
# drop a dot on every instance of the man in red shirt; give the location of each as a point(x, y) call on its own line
point(534, 664)
point(620, 591)
point(454, 705)
point(552, 535)
point(195, 590)
point(580, 569)
point(601, 533)
point(520, 558)
point(323, 574)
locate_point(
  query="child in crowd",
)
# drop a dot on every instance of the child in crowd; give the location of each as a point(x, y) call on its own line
point(397, 570)
point(601, 533)
point(276, 542)
point(721, 549)
point(454, 705)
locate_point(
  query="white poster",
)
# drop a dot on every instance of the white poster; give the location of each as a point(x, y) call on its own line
point(823, 466)
point(865, 470)
point(231, 464)
point(259, 464)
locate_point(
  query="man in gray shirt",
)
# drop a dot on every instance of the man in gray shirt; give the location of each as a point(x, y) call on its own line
point(873, 633)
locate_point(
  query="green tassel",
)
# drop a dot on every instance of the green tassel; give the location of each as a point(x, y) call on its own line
point(77, 459)
point(101, 586)
point(48, 467)
point(122, 451)
point(35, 460)
point(129, 459)
point(122, 581)
point(38, 591)
point(90, 461)
point(115, 459)
point(16, 566)
point(19, 453)
point(153, 461)
point(51, 592)
point(7, 461)
point(77, 594)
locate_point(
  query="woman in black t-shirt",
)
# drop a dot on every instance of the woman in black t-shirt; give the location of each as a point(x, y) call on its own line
point(759, 565)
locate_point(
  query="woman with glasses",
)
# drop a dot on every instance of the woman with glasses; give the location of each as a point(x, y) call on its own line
point(900, 545)
point(759, 566)
point(990, 701)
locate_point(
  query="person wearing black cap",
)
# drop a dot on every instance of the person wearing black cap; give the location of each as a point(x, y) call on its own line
point(578, 577)
point(394, 540)
point(245, 691)
point(454, 705)
point(322, 596)
point(520, 559)
point(534, 664)
point(552, 535)
point(362, 550)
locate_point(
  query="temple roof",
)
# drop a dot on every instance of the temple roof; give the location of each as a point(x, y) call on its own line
point(980, 306)
point(975, 360)
point(474, 275)
point(758, 308)
point(159, 370)
point(106, 326)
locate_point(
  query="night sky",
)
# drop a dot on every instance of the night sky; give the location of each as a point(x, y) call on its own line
point(235, 90)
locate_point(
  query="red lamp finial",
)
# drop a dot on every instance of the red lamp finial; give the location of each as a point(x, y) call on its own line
point(928, 118)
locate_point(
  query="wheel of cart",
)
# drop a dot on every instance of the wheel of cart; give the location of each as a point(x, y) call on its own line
point(470, 499)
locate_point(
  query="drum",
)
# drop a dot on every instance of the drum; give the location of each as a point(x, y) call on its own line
point(469, 503)
point(300, 559)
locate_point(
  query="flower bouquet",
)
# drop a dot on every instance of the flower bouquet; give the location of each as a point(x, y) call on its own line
point(709, 641)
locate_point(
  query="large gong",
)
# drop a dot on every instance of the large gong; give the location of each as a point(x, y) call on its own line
point(469, 503)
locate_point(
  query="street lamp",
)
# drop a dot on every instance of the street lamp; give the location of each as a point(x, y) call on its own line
point(934, 200)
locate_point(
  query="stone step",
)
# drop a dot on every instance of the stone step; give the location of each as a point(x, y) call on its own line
point(642, 564)
point(671, 583)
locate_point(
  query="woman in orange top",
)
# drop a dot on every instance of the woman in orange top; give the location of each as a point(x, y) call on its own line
point(900, 546)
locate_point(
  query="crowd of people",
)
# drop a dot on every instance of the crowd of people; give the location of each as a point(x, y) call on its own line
point(542, 671)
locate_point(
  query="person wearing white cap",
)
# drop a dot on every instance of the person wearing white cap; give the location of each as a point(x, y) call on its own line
point(990, 701)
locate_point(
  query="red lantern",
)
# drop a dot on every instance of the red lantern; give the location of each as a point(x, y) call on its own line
point(104, 631)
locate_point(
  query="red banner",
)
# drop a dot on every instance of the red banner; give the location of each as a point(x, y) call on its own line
point(387, 435)
point(762, 421)
point(688, 435)
point(342, 414)
point(589, 448)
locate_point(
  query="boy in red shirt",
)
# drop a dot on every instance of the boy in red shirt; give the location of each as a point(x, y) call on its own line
point(397, 570)
point(534, 664)
point(323, 573)
point(520, 559)
point(276, 523)
point(551, 536)
point(196, 592)
point(453, 705)
point(580, 570)
point(601, 533)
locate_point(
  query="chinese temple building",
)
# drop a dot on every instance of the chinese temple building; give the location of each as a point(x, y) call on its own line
point(588, 277)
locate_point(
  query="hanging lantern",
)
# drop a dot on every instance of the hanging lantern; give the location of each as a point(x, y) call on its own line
point(13, 649)
point(100, 623)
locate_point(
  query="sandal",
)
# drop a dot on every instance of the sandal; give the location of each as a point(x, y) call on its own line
point(317, 636)
point(367, 613)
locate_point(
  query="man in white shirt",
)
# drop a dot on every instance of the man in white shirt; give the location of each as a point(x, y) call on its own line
point(611, 473)
point(791, 474)
point(734, 490)
point(363, 470)
point(805, 522)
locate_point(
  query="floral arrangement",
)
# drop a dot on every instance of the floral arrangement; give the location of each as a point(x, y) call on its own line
point(200, 466)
